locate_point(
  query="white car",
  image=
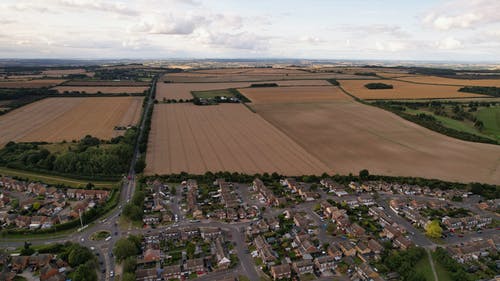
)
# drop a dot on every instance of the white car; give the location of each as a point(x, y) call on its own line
point(92, 248)
point(111, 273)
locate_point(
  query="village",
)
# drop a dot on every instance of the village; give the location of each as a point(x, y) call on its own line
point(32, 205)
point(329, 230)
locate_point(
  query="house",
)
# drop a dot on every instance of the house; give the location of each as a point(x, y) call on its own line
point(281, 271)
point(356, 230)
point(324, 263)
point(303, 267)
point(335, 252)
point(471, 250)
point(390, 232)
point(19, 263)
point(375, 246)
point(347, 248)
point(150, 274)
point(264, 249)
point(402, 242)
point(151, 219)
point(366, 200)
point(151, 255)
point(367, 273)
point(172, 272)
point(362, 248)
point(194, 265)
point(7, 276)
point(210, 232)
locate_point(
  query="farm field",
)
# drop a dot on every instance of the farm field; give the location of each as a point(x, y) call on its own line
point(226, 137)
point(37, 83)
point(183, 90)
point(254, 75)
point(107, 83)
point(451, 81)
point(58, 119)
point(403, 90)
point(351, 136)
point(62, 72)
point(299, 94)
point(104, 90)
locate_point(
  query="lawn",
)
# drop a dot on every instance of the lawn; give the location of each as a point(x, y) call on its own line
point(54, 180)
point(490, 116)
point(441, 272)
point(424, 267)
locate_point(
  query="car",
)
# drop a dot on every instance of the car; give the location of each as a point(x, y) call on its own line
point(111, 273)
point(92, 248)
point(83, 239)
point(103, 271)
point(460, 235)
point(116, 233)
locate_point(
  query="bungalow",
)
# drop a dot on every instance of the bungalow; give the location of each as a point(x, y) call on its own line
point(281, 271)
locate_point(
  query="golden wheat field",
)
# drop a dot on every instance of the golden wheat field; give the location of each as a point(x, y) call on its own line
point(351, 136)
point(403, 90)
point(226, 137)
point(296, 94)
point(58, 119)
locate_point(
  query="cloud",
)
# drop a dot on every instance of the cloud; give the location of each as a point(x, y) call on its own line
point(242, 40)
point(311, 39)
point(99, 5)
point(376, 29)
point(448, 43)
point(461, 14)
point(169, 25)
point(391, 46)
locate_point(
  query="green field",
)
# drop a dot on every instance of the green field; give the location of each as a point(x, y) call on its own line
point(424, 267)
point(490, 117)
point(212, 94)
point(54, 180)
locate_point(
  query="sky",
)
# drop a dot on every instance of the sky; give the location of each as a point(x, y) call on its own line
point(453, 30)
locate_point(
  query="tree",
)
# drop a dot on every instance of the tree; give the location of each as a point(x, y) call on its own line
point(129, 264)
point(364, 174)
point(190, 249)
point(124, 248)
point(140, 165)
point(79, 255)
point(127, 276)
point(433, 229)
point(85, 272)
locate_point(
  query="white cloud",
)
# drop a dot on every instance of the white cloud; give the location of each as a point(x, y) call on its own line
point(448, 43)
point(391, 46)
point(242, 40)
point(463, 14)
point(99, 5)
point(311, 39)
point(168, 25)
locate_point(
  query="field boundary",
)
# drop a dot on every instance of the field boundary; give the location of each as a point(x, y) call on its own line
point(54, 179)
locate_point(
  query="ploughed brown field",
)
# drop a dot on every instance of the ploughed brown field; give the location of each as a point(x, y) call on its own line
point(298, 94)
point(253, 75)
point(58, 119)
point(104, 90)
point(37, 83)
point(452, 81)
point(183, 90)
point(403, 90)
point(226, 137)
point(107, 83)
point(351, 136)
